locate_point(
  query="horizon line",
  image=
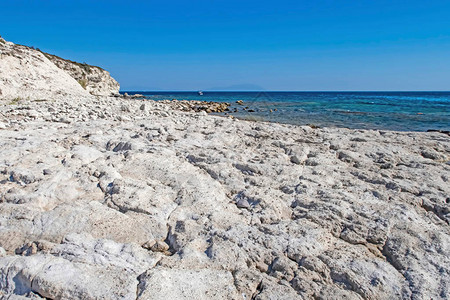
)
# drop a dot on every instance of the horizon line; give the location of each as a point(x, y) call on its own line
point(302, 91)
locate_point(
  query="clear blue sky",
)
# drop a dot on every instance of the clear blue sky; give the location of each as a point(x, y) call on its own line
point(274, 45)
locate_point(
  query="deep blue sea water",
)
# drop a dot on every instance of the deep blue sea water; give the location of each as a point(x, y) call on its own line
point(404, 111)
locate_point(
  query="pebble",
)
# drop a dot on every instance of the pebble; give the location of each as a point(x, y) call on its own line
point(243, 203)
point(262, 267)
point(430, 154)
point(32, 114)
point(295, 159)
point(156, 246)
point(125, 108)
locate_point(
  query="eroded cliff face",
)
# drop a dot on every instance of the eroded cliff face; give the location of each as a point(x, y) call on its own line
point(29, 74)
point(26, 74)
point(95, 80)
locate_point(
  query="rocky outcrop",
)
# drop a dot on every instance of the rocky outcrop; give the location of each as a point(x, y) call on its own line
point(197, 106)
point(95, 80)
point(131, 199)
point(29, 74)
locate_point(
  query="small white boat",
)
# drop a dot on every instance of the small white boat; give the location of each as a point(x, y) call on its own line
point(200, 93)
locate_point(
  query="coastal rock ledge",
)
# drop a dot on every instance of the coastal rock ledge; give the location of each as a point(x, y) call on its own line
point(98, 201)
point(117, 198)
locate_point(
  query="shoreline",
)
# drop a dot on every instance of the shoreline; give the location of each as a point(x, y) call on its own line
point(194, 107)
point(136, 200)
point(399, 112)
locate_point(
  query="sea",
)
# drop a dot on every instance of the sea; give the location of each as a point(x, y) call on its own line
point(401, 111)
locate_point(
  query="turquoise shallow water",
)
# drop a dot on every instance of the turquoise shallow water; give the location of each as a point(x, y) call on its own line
point(404, 111)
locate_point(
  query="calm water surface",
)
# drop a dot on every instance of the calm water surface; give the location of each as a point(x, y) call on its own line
point(405, 111)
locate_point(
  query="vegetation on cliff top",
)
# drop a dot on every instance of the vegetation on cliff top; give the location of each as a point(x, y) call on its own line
point(84, 65)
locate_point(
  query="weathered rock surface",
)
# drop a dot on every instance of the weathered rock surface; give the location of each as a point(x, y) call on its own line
point(103, 198)
point(29, 74)
point(95, 80)
point(78, 268)
point(173, 283)
point(26, 73)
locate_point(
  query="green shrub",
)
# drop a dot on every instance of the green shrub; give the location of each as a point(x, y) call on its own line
point(83, 83)
point(86, 68)
point(15, 101)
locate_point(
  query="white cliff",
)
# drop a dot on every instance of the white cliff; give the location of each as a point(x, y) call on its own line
point(95, 80)
point(29, 74)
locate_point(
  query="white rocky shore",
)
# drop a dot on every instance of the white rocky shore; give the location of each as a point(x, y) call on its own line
point(107, 198)
point(118, 198)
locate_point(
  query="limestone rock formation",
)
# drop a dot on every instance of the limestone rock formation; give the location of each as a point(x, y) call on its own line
point(95, 80)
point(29, 74)
point(102, 199)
